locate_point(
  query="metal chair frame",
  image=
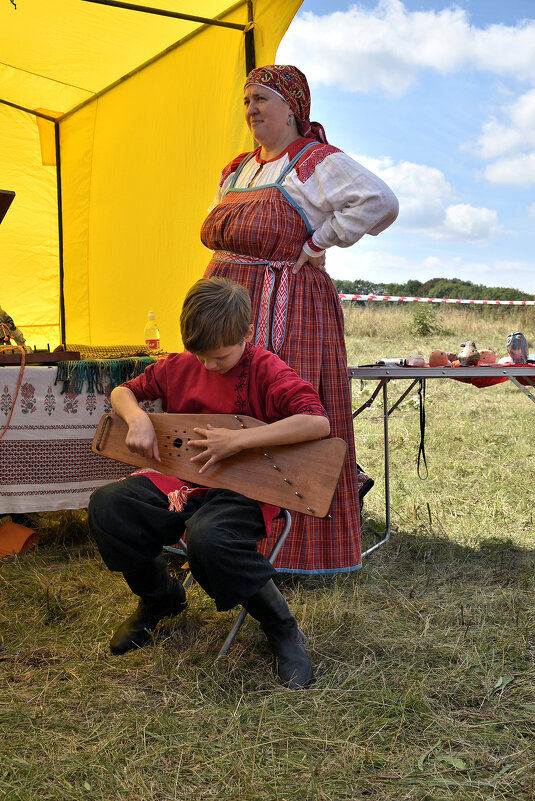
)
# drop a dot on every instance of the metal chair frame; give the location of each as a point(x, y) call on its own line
point(183, 550)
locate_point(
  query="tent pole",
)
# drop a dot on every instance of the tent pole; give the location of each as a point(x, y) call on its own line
point(163, 13)
point(60, 237)
point(28, 110)
point(250, 60)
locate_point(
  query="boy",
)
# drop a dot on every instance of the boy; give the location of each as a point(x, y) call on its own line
point(219, 372)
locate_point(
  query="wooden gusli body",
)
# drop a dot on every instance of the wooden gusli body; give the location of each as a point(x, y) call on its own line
point(301, 477)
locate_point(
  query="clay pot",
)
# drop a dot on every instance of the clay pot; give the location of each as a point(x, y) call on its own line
point(438, 359)
point(487, 356)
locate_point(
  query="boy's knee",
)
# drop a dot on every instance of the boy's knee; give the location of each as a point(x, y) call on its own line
point(102, 503)
point(200, 542)
point(206, 543)
point(97, 502)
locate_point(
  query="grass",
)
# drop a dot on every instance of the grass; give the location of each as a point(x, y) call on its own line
point(425, 659)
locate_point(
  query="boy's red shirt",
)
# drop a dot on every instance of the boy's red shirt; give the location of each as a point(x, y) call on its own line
point(260, 385)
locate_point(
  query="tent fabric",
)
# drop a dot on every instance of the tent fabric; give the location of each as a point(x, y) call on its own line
point(148, 110)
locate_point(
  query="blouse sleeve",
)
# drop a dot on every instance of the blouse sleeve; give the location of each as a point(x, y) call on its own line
point(341, 198)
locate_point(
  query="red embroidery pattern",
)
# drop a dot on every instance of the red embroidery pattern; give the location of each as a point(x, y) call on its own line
point(91, 402)
point(240, 388)
point(28, 403)
point(70, 403)
point(50, 402)
point(262, 331)
point(6, 401)
point(54, 462)
point(230, 168)
point(305, 169)
point(280, 311)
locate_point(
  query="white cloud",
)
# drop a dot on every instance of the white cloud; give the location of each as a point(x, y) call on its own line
point(469, 223)
point(516, 135)
point(510, 143)
point(384, 49)
point(531, 211)
point(425, 202)
point(515, 171)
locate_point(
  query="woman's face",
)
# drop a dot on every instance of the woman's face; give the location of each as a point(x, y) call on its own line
point(266, 113)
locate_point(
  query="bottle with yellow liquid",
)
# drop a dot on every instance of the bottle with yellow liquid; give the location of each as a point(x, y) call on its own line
point(152, 333)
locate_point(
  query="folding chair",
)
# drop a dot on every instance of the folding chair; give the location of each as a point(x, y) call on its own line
point(182, 549)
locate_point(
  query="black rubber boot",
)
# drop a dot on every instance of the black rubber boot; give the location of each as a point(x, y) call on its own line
point(285, 638)
point(160, 596)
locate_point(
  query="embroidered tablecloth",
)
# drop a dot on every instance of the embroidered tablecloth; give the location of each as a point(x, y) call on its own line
point(46, 461)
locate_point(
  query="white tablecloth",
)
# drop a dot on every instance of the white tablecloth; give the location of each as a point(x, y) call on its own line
point(46, 461)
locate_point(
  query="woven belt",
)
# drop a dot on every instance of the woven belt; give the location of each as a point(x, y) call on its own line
point(280, 310)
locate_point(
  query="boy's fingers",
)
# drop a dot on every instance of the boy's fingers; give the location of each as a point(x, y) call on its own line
point(210, 463)
point(199, 458)
point(198, 443)
point(202, 431)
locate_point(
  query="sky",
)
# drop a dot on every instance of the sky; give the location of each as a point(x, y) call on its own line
point(438, 99)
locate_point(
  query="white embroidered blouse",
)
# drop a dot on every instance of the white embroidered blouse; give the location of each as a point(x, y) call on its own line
point(341, 199)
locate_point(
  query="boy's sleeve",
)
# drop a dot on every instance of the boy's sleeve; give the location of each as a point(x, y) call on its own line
point(286, 394)
point(151, 384)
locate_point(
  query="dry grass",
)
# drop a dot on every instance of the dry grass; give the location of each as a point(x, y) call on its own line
point(425, 659)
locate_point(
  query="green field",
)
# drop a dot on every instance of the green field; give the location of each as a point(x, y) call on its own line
point(425, 659)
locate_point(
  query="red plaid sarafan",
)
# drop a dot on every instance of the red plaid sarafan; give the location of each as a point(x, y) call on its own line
point(255, 230)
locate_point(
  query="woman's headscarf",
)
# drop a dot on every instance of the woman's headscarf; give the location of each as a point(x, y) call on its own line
point(291, 84)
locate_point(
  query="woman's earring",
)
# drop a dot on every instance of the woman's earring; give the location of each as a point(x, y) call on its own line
point(289, 121)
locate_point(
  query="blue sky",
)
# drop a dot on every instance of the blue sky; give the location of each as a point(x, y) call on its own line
point(438, 99)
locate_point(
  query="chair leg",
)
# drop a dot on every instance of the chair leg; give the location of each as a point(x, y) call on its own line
point(188, 581)
point(286, 516)
point(232, 634)
point(181, 549)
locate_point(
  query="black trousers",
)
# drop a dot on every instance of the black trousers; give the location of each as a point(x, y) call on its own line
point(130, 522)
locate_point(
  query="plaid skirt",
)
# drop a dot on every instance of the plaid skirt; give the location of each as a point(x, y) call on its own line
point(312, 344)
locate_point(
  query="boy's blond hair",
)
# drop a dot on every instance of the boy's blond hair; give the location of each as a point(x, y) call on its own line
point(216, 314)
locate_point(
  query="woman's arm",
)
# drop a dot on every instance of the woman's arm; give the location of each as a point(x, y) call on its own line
point(219, 443)
point(342, 200)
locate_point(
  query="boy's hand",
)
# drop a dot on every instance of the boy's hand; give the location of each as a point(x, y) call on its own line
point(219, 443)
point(141, 437)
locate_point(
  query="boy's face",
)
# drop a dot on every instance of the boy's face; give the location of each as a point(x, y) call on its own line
point(221, 360)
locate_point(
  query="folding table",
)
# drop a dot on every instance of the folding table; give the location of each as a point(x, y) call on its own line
point(522, 376)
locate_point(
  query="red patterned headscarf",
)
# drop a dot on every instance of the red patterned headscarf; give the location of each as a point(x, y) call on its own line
point(292, 85)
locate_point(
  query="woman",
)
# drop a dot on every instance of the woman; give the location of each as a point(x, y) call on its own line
point(276, 212)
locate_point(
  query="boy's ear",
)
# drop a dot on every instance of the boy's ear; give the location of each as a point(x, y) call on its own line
point(250, 333)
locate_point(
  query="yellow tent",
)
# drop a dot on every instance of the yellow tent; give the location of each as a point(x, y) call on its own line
point(114, 126)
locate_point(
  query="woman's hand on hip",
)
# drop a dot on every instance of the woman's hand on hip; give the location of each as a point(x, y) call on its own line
point(315, 261)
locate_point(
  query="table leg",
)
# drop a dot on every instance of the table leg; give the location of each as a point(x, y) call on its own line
point(522, 387)
point(387, 474)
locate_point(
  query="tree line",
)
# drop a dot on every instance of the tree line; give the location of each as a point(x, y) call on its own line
point(434, 288)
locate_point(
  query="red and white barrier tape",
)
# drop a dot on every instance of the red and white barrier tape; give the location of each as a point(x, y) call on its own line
point(439, 300)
